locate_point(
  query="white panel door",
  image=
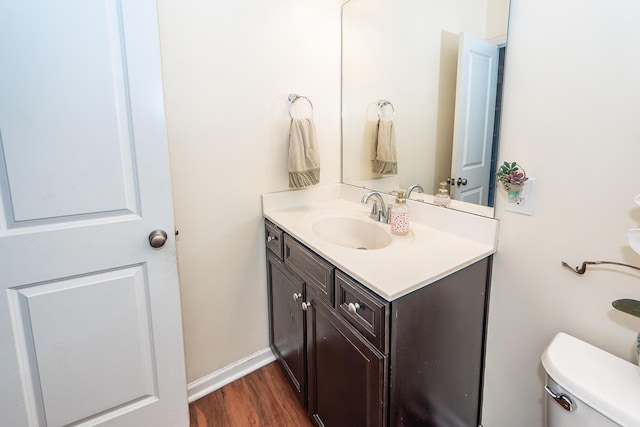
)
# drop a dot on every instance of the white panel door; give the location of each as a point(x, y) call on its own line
point(474, 117)
point(90, 325)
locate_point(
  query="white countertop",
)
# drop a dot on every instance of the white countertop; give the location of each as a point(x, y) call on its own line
point(441, 240)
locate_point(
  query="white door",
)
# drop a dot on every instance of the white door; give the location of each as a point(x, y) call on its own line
point(90, 325)
point(474, 118)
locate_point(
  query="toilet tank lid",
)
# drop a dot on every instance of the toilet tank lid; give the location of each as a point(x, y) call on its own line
point(608, 384)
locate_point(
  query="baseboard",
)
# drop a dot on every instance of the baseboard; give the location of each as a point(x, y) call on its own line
point(221, 377)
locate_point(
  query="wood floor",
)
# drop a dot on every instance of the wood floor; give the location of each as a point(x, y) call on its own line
point(263, 398)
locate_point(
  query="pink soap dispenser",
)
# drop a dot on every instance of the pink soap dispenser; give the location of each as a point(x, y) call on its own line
point(400, 215)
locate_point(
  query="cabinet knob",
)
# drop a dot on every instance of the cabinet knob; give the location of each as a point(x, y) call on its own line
point(353, 308)
point(306, 305)
point(297, 296)
point(271, 239)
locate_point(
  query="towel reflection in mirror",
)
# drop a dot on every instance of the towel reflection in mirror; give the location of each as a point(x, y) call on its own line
point(384, 159)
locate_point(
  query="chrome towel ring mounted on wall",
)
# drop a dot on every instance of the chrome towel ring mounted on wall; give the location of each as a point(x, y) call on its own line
point(292, 100)
point(383, 103)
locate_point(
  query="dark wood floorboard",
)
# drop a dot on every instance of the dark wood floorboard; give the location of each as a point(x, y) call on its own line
point(263, 398)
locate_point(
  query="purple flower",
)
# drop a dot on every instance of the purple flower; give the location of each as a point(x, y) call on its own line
point(516, 178)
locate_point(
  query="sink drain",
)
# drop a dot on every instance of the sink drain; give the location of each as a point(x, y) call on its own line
point(363, 249)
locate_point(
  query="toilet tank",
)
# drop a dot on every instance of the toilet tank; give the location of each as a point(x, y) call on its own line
point(604, 390)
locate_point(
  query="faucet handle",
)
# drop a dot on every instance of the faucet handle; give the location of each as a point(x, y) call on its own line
point(382, 216)
point(374, 210)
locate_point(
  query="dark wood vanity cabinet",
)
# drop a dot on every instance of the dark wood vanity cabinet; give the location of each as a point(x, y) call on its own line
point(356, 359)
point(339, 374)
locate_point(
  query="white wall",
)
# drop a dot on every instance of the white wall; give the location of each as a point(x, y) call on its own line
point(228, 69)
point(497, 19)
point(571, 118)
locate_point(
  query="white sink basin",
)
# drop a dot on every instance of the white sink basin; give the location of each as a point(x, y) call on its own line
point(352, 232)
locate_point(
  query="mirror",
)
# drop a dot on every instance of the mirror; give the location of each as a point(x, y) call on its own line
point(421, 65)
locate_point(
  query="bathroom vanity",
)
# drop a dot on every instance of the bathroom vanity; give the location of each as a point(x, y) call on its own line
point(385, 351)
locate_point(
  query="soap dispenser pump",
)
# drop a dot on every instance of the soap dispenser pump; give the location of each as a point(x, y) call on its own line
point(400, 215)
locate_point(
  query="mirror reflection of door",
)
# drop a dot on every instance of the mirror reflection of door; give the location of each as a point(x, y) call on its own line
point(474, 119)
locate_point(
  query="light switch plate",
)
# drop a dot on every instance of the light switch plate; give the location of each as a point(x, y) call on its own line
point(524, 203)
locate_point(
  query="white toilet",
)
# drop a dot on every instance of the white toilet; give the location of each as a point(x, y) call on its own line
point(588, 387)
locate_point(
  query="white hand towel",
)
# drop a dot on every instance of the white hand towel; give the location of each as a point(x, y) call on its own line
point(304, 157)
point(383, 149)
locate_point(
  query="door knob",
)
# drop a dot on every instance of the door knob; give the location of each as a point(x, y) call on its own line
point(461, 181)
point(157, 238)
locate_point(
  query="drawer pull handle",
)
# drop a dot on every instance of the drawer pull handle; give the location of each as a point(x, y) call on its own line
point(297, 296)
point(353, 308)
point(306, 305)
point(272, 239)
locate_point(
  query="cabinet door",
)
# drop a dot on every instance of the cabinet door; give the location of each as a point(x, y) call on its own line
point(287, 322)
point(347, 380)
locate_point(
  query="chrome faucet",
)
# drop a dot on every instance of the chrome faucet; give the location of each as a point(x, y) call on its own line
point(412, 187)
point(378, 213)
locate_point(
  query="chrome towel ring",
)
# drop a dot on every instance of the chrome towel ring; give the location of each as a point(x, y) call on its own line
point(292, 100)
point(383, 103)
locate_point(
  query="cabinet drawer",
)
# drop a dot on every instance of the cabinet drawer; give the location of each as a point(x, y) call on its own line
point(273, 239)
point(316, 272)
point(366, 312)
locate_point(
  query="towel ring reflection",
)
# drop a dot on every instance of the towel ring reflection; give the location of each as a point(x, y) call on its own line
point(383, 103)
point(292, 100)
